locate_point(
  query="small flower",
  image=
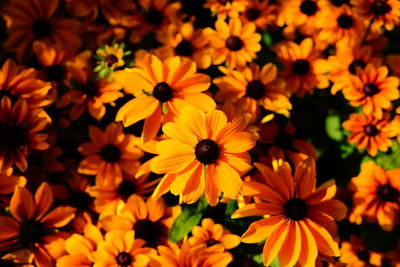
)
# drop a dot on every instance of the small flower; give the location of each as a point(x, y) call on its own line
point(109, 58)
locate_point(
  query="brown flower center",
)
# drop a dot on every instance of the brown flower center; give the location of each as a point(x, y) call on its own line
point(380, 7)
point(344, 21)
point(308, 7)
point(252, 14)
point(210, 242)
point(123, 259)
point(234, 43)
point(31, 232)
point(42, 28)
point(184, 48)
point(387, 193)
point(301, 67)
point(12, 137)
point(55, 73)
point(295, 209)
point(154, 17)
point(371, 130)
point(339, 3)
point(370, 89)
point(126, 188)
point(149, 231)
point(206, 151)
point(255, 89)
point(356, 63)
point(111, 60)
point(110, 153)
point(162, 92)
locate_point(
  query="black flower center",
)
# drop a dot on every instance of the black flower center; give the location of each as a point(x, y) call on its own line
point(42, 28)
point(363, 255)
point(149, 231)
point(55, 73)
point(126, 188)
point(154, 17)
point(31, 232)
point(210, 242)
point(123, 259)
point(111, 60)
point(344, 21)
point(371, 130)
point(91, 90)
point(252, 14)
point(380, 7)
point(184, 48)
point(301, 67)
point(255, 89)
point(339, 3)
point(80, 200)
point(12, 137)
point(308, 7)
point(356, 63)
point(234, 43)
point(387, 193)
point(370, 89)
point(110, 153)
point(295, 209)
point(207, 151)
point(162, 92)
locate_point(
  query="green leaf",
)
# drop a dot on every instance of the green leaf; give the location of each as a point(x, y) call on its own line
point(146, 93)
point(103, 73)
point(389, 160)
point(333, 127)
point(231, 207)
point(98, 68)
point(267, 39)
point(164, 108)
point(275, 263)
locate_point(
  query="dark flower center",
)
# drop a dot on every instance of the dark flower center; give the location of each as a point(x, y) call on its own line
point(363, 255)
point(184, 48)
point(234, 43)
point(162, 92)
point(387, 193)
point(126, 188)
point(223, 2)
point(42, 28)
point(31, 232)
point(110, 153)
point(356, 63)
point(154, 17)
point(371, 130)
point(91, 90)
point(380, 7)
point(80, 200)
point(339, 2)
point(12, 137)
point(210, 242)
point(308, 7)
point(124, 259)
point(206, 151)
point(111, 60)
point(55, 73)
point(284, 140)
point(255, 89)
point(344, 21)
point(252, 14)
point(370, 89)
point(301, 67)
point(149, 231)
point(295, 209)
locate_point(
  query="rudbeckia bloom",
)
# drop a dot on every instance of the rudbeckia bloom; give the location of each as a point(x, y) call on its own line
point(376, 196)
point(8, 182)
point(301, 63)
point(300, 216)
point(254, 86)
point(161, 90)
point(30, 20)
point(259, 12)
point(370, 133)
point(226, 8)
point(33, 224)
point(206, 153)
point(233, 43)
point(379, 12)
point(109, 154)
point(19, 126)
point(373, 89)
point(353, 254)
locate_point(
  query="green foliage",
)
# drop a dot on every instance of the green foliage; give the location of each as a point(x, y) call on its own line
point(333, 127)
point(389, 160)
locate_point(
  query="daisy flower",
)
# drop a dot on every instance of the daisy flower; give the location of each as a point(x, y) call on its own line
point(226, 8)
point(259, 12)
point(161, 90)
point(379, 12)
point(300, 222)
point(206, 153)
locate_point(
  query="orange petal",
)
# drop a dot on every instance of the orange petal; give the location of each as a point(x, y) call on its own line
point(261, 229)
point(43, 200)
point(58, 217)
point(274, 242)
point(21, 204)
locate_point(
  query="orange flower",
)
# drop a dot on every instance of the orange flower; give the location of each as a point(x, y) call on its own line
point(376, 196)
point(122, 249)
point(32, 225)
point(355, 255)
point(370, 133)
point(226, 8)
point(206, 153)
point(300, 222)
point(233, 43)
point(211, 234)
point(151, 220)
point(259, 12)
point(373, 89)
point(379, 12)
point(30, 20)
point(302, 70)
point(254, 86)
point(109, 154)
point(19, 126)
point(8, 182)
point(162, 89)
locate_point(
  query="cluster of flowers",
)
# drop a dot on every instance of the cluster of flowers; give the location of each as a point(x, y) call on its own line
point(177, 133)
